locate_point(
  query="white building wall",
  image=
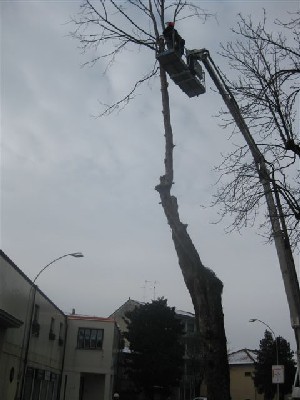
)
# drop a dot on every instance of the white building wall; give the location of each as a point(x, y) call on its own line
point(14, 292)
point(95, 367)
point(42, 350)
point(16, 296)
point(46, 355)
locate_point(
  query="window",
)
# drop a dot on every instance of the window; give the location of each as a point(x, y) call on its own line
point(93, 338)
point(38, 379)
point(51, 332)
point(52, 323)
point(35, 326)
point(29, 379)
point(61, 334)
point(248, 373)
point(89, 338)
point(36, 313)
point(190, 326)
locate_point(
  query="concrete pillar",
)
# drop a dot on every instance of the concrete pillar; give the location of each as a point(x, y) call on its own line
point(107, 387)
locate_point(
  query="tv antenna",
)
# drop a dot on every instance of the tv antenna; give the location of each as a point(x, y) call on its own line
point(154, 287)
point(144, 290)
point(145, 287)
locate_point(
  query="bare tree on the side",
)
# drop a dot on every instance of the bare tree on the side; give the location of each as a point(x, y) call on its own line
point(115, 25)
point(266, 92)
point(264, 173)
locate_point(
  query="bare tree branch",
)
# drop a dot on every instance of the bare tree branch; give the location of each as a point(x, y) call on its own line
point(266, 91)
point(121, 104)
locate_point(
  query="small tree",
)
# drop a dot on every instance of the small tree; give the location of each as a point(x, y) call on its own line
point(263, 367)
point(155, 340)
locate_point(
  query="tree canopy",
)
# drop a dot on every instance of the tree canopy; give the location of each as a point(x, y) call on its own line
point(266, 86)
point(266, 358)
point(155, 340)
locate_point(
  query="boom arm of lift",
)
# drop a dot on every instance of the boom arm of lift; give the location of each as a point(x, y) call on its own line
point(204, 56)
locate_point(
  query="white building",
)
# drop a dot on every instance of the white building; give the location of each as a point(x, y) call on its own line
point(30, 359)
point(91, 358)
point(241, 365)
point(56, 356)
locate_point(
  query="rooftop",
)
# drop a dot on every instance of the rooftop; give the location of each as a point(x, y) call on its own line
point(89, 318)
point(243, 356)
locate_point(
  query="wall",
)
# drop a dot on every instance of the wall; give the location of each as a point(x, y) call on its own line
point(45, 355)
point(89, 373)
point(16, 292)
point(119, 314)
point(241, 383)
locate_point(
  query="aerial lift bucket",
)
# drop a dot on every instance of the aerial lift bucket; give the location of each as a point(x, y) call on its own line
point(190, 81)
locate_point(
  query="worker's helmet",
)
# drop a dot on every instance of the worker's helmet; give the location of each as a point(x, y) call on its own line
point(170, 23)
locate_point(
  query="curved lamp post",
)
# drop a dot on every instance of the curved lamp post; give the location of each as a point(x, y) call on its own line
point(33, 286)
point(276, 344)
point(76, 255)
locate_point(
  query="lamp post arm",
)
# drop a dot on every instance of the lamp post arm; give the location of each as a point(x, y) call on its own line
point(48, 265)
point(273, 333)
point(271, 330)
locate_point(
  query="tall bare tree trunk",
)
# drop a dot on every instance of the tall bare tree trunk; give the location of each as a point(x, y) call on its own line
point(203, 285)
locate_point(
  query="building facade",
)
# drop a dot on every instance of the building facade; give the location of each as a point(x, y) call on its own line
point(47, 355)
point(31, 355)
point(191, 383)
point(241, 365)
point(91, 358)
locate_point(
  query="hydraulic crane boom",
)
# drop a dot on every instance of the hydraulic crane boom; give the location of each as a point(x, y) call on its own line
point(283, 248)
point(204, 56)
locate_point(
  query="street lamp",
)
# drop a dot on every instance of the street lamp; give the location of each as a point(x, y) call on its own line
point(33, 286)
point(276, 344)
point(76, 255)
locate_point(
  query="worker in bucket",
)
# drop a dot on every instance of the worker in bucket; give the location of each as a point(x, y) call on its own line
point(172, 38)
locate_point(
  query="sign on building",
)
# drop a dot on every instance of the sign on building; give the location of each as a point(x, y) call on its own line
point(277, 373)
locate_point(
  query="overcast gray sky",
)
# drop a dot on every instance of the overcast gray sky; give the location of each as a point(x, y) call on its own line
point(71, 182)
